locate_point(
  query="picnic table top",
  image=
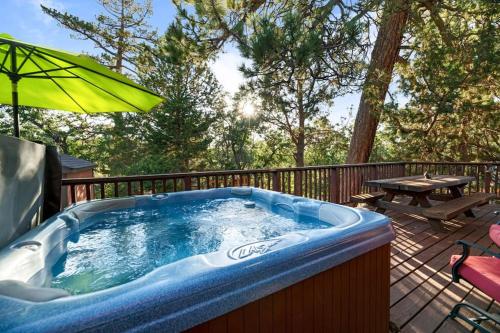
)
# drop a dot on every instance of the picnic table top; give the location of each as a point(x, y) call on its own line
point(420, 183)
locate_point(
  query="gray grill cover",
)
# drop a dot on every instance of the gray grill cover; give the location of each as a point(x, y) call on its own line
point(22, 169)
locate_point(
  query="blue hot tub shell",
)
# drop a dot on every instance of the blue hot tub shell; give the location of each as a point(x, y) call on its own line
point(187, 292)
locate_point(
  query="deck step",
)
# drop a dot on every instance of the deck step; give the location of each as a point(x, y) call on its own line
point(367, 197)
point(453, 208)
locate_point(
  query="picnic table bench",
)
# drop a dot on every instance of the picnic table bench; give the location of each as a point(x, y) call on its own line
point(369, 198)
point(420, 189)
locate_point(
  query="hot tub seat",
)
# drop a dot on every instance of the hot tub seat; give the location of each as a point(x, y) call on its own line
point(27, 292)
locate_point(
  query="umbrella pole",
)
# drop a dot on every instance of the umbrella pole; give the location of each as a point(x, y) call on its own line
point(15, 108)
point(14, 78)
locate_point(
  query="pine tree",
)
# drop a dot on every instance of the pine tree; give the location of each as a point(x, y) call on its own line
point(179, 132)
point(120, 32)
point(303, 54)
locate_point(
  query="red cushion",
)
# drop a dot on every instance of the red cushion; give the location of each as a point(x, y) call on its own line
point(495, 233)
point(482, 272)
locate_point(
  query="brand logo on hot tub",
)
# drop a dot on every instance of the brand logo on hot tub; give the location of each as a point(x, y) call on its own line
point(247, 250)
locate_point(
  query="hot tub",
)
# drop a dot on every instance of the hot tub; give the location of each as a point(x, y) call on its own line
point(232, 258)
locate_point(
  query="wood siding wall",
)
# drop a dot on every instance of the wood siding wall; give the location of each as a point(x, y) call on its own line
point(80, 191)
point(352, 297)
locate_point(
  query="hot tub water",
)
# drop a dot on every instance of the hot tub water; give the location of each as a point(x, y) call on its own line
point(122, 245)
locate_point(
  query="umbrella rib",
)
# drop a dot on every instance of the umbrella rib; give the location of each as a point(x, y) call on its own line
point(108, 92)
point(102, 74)
point(5, 60)
point(41, 71)
point(59, 86)
point(48, 70)
point(52, 76)
point(93, 84)
point(25, 59)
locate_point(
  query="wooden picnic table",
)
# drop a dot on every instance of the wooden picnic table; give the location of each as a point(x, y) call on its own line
point(420, 190)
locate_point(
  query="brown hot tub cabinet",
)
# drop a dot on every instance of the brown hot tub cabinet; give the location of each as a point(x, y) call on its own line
point(351, 297)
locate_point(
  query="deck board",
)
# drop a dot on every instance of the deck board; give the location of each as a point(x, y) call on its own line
point(441, 296)
point(421, 290)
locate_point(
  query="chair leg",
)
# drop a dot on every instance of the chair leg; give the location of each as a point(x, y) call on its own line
point(455, 310)
point(479, 319)
point(475, 322)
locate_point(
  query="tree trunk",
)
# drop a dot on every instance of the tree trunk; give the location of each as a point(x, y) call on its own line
point(383, 57)
point(300, 143)
point(186, 165)
point(119, 48)
point(299, 149)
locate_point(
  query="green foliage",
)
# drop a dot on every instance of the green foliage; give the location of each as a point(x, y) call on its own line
point(301, 60)
point(234, 138)
point(179, 130)
point(274, 150)
point(451, 79)
point(302, 54)
point(329, 142)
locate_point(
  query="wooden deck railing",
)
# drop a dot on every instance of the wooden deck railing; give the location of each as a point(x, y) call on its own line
point(334, 183)
point(486, 175)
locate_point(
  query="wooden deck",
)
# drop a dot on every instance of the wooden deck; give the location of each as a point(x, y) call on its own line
point(421, 290)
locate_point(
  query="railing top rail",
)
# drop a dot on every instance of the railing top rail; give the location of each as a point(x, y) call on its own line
point(113, 179)
point(455, 163)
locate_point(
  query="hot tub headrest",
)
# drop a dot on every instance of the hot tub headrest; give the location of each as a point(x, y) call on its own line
point(89, 209)
point(241, 191)
point(337, 215)
point(27, 292)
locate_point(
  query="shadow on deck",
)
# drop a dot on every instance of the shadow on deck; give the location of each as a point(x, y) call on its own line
point(421, 290)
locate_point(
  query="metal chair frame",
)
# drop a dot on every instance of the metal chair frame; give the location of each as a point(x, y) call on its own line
point(455, 312)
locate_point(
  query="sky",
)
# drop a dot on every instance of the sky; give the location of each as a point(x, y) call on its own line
point(24, 20)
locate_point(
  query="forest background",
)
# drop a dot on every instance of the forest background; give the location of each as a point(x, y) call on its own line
point(426, 73)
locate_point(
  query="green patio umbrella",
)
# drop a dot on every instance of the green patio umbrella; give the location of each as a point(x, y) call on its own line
point(37, 76)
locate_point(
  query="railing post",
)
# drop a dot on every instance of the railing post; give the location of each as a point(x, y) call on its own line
point(334, 185)
point(187, 183)
point(374, 172)
point(297, 182)
point(487, 179)
point(403, 169)
point(276, 181)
